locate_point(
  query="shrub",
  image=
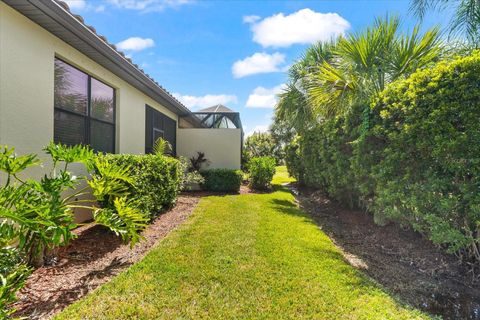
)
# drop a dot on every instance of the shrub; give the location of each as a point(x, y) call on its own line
point(294, 161)
point(38, 215)
point(13, 274)
point(327, 151)
point(411, 157)
point(425, 137)
point(261, 170)
point(157, 181)
point(225, 180)
point(262, 144)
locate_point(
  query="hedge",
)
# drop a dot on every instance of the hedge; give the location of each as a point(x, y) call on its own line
point(156, 183)
point(427, 172)
point(261, 171)
point(413, 156)
point(225, 180)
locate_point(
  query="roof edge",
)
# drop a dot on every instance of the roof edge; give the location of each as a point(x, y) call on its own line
point(60, 14)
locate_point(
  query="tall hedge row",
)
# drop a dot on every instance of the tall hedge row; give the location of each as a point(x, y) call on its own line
point(413, 156)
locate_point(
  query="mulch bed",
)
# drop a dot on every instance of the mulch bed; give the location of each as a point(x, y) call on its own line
point(96, 256)
point(402, 261)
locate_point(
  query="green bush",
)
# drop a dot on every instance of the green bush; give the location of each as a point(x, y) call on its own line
point(156, 183)
point(38, 215)
point(261, 170)
point(412, 157)
point(225, 180)
point(294, 161)
point(327, 151)
point(425, 136)
point(13, 274)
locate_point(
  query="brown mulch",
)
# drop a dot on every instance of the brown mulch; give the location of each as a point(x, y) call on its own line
point(402, 261)
point(92, 259)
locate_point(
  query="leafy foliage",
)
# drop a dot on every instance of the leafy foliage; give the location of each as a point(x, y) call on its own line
point(225, 180)
point(155, 186)
point(162, 147)
point(196, 162)
point(38, 215)
point(466, 19)
point(261, 170)
point(412, 158)
point(294, 161)
point(13, 274)
point(426, 140)
point(263, 144)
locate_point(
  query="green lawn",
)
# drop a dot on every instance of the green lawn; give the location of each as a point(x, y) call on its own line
point(253, 256)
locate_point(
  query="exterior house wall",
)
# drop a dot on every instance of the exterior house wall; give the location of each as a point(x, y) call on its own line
point(27, 55)
point(221, 146)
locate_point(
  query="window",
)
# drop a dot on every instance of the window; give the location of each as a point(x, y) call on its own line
point(84, 109)
point(158, 125)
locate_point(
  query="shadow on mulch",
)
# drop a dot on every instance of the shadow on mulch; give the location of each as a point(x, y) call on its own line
point(93, 258)
point(402, 261)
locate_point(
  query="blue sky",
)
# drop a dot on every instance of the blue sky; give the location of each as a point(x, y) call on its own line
point(230, 52)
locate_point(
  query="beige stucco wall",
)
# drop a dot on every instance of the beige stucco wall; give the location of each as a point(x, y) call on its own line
point(27, 54)
point(221, 146)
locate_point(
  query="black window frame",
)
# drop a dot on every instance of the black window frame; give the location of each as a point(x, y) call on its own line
point(150, 129)
point(87, 117)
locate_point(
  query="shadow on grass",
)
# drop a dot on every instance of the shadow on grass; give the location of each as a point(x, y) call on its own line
point(403, 262)
point(340, 262)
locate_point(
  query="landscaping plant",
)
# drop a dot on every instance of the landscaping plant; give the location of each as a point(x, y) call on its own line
point(224, 180)
point(262, 144)
point(198, 161)
point(261, 171)
point(156, 184)
point(38, 215)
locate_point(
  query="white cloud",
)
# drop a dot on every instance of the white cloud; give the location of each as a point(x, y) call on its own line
point(135, 44)
point(302, 27)
point(76, 4)
point(259, 62)
point(264, 98)
point(148, 5)
point(100, 8)
point(82, 5)
point(197, 102)
point(251, 19)
point(259, 128)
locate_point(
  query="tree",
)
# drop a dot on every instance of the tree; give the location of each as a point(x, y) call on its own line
point(364, 63)
point(293, 111)
point(262, 144)
point(466, 19)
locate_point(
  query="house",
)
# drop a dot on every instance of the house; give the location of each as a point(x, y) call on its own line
point(61, 81)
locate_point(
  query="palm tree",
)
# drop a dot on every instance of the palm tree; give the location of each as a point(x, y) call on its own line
point(293, 110)
point(364, 63)
point(466, 19)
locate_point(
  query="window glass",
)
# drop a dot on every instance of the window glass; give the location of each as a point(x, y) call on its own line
point(102, 136)
point(71, 88)
point(69, 128)
point(102, 101)
point(74, 123)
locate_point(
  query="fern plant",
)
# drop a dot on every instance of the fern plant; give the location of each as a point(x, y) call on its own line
point(162, 147)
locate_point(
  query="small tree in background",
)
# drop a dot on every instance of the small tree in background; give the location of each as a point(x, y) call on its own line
point(262, 144)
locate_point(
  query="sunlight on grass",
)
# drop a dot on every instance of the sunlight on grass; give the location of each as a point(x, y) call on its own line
point(281, 176)
point(252, 256)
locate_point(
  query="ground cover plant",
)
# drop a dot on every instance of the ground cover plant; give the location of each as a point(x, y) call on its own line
point(252, 256)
